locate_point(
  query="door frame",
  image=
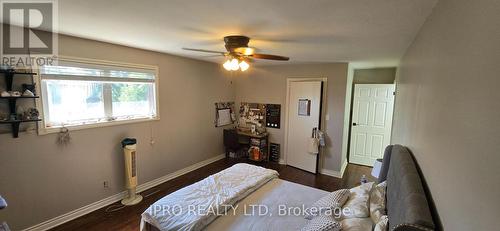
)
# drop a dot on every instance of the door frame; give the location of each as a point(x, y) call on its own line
point(351, 112)
point(323, 113)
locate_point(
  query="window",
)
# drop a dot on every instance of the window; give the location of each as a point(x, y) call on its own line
point(78, 94)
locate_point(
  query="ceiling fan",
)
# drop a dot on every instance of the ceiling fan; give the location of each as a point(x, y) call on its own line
point(238, 53)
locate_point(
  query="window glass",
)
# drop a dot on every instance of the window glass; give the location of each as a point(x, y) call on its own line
point(80, 94)
point(132, 99)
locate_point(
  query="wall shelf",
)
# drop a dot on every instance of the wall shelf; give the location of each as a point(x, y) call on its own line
point(9, 77)
point(18, 73)
point(13, 99)
point(18, 121)
point(15, 125)
point(19, 97)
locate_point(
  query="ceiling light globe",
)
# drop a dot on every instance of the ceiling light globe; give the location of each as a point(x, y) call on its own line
point(234, 65)
point(227, 65)
point(244, 66)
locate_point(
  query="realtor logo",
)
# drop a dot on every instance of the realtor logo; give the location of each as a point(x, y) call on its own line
point(27, 27)
point(27, 30)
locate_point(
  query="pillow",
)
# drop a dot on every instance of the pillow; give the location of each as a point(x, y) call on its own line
point(332, 201)
point(357, 224)
point(322, 223)
point(382, 224)
point(358, 203)
point(377, 202)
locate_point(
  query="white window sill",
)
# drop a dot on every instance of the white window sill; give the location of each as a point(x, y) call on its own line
point(50, 130)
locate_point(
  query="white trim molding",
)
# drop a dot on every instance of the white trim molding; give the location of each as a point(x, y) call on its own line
point(347, 114)
point(56, 221)
point(337, 174)
point(343, 168)
point(329, 172)
point(40, 103)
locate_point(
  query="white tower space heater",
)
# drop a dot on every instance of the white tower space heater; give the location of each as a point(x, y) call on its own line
point(130, 156)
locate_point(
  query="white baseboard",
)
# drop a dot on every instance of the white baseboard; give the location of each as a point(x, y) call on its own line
point(329, 172)
point(343, 168)
point(337, 174)
point(117, 197)
point(59, 220)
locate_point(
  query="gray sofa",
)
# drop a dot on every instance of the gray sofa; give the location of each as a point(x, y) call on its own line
point(407, 205)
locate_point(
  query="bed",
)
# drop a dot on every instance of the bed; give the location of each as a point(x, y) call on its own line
point(407, 205)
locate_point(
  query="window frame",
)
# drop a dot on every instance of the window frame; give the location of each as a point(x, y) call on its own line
point(41, 102)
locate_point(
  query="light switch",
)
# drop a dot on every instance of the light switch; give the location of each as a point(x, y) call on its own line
point(327, 117)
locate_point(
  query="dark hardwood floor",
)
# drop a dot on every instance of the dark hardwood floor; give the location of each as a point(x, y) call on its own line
point(353, 173)
point(128, 218)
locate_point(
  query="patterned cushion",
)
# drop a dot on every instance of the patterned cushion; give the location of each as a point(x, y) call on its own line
point(377, 202)
point(381, 225)
point(322, 223)
point(333, 200)
point(358, 203)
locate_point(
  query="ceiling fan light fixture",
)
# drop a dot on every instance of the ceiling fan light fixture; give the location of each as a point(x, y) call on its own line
point(234, 64)
point(245, 50)
point(227, 65)
point(244, 65)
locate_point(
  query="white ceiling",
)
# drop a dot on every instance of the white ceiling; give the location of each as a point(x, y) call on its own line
point(360, 31)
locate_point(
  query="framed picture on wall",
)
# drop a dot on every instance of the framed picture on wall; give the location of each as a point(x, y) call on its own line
point(224, 117)
point(304, 107)
point(224, 114)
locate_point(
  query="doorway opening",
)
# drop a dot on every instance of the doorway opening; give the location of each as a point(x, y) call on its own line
point(370, 115)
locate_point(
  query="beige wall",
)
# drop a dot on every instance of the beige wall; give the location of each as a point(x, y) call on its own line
point(267, 84)
point(447, 111)
point(42, 180)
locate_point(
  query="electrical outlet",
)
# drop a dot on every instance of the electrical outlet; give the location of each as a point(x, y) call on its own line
point(106, 184)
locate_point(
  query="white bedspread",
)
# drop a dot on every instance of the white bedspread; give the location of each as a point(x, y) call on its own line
point(271, 196)
point(195, 206)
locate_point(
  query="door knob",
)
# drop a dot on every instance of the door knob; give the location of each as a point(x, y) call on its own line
point(354, 124)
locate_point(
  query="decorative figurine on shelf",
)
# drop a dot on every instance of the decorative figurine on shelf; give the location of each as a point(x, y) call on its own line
point(15, 94)
point(30, 87)
point(31, 114)
point(5, 94)
point(28, 93)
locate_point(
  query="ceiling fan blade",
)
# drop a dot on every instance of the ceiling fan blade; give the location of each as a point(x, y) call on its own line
point(206, 51)
point(271, 57)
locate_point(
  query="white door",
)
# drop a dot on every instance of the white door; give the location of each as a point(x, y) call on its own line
point(303, 115)
point(371, 125)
